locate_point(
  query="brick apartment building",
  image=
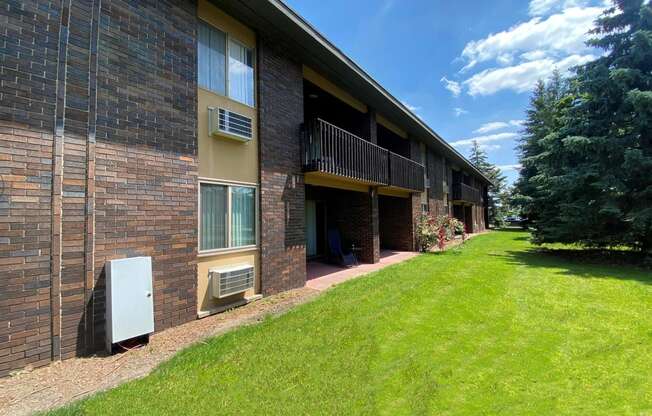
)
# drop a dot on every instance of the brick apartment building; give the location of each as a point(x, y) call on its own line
point(202, 134)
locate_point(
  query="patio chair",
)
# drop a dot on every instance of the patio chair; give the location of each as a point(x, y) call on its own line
point(336, 252)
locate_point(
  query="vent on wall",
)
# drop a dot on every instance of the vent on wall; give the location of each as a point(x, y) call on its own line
point(231, 280)
point(230, 124)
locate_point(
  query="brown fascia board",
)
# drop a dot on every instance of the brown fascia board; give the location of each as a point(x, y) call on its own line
point(274, 16)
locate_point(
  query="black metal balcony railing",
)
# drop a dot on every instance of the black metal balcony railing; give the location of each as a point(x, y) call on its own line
point(406, 173)
point(330, 149)
point(466, 193)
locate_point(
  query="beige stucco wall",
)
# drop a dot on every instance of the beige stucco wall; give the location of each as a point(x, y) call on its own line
point(205, 299)
point(226, 160)
point(221, 157)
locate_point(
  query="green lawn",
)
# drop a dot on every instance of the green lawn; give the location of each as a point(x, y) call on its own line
point(494, 327)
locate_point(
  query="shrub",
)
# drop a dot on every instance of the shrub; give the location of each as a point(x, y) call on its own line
point(436, 231)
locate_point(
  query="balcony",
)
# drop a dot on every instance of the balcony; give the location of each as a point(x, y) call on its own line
point(331, 150)
point(466, 193)
point(405, 173)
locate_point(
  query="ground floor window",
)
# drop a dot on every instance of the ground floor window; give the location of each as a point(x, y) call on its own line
point(227, 216)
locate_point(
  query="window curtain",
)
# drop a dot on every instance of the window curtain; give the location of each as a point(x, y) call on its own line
point(213, 233)
point(243, 216)
point(211, 56)
point(241, 73)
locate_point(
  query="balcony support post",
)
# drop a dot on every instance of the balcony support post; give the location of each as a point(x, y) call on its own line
point(365, 226)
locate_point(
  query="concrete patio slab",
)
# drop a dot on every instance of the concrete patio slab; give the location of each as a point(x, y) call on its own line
point(322, 276)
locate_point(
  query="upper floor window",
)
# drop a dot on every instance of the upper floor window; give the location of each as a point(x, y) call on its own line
point(232, 77)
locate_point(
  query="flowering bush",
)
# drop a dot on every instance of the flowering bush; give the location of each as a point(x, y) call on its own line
point(437, 231)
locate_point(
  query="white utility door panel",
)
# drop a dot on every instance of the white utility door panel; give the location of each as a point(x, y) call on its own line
point(130, 302)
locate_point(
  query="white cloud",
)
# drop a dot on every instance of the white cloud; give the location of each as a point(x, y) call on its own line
point(497, 125)
point(506, 168)
point(505, 59)
point(533, 55)
point(410, 107)
point(459, 111)
point(544, 7)
point(492, 126)
point(483, 140)
point(453, 86)
point(555, 36)
point(522, 77)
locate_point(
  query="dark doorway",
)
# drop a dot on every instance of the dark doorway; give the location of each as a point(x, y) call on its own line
point(315, 228)
point(468, 219)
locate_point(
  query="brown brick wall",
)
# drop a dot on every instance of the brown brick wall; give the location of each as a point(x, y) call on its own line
point(117, 177)
point(365, 227)
point(282, 192)
point(27, 105)
point(395, 216)
point(25, 166)
point(146, 155)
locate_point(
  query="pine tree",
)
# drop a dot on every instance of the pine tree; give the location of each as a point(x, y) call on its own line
point(588, 170)
point(497, 198)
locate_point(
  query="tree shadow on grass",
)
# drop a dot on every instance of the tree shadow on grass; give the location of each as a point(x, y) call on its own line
point(603, 264)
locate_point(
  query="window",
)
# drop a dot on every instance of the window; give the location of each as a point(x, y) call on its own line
point(243, 216)
point(211, 55)
point(216, 73)
point(241, 73)
point(227, 216)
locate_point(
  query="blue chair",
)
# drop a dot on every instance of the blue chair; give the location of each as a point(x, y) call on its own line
point(336, 252)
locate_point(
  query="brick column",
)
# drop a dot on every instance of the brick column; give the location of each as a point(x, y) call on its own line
point(415, 198)
point(282, 200)
point(363, 226)
point(374, 226)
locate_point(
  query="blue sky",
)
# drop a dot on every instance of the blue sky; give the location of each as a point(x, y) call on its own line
point(466, 67)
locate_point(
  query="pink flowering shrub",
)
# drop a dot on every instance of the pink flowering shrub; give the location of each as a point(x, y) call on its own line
point(436, 231)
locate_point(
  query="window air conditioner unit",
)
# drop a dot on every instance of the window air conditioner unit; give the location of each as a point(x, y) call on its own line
point(227, 281)
point(223, 122)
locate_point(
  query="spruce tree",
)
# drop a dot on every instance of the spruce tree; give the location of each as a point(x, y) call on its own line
point(591, 167)
point(543, 118)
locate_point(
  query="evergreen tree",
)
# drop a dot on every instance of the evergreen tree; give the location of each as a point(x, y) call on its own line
point(587, 152)
point(543, 117)
point(497, 203)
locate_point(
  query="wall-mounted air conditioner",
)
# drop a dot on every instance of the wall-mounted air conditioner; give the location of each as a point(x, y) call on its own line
point(129, 299)
point(227, 281)
point(223, 122)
